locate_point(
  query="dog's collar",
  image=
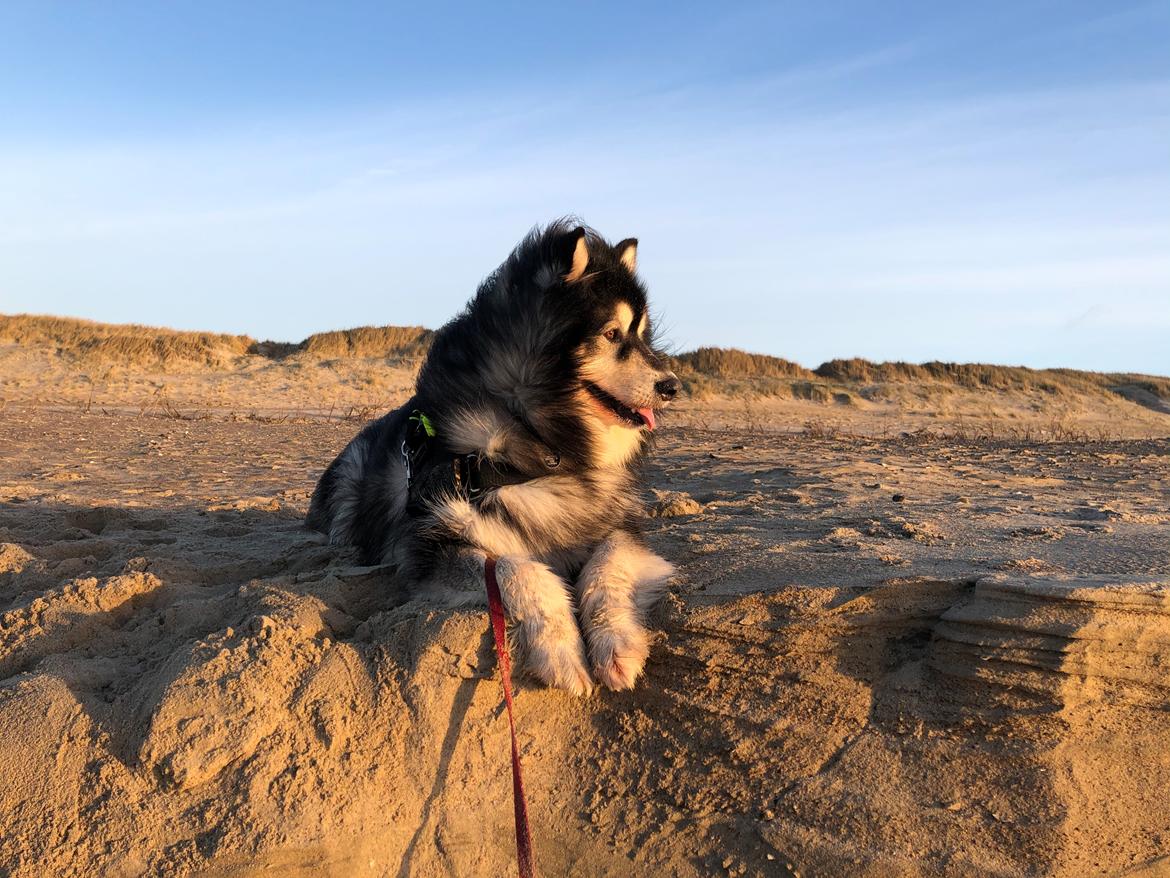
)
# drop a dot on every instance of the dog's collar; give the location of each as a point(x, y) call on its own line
point(470, 476)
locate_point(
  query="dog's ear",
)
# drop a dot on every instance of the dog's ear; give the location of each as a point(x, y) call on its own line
point(627, 252)
point(576, 255)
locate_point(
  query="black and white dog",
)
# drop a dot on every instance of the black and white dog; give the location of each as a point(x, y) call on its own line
point(524, 440)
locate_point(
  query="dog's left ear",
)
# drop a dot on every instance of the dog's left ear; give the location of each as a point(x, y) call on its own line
point(580, 258)
point(627, 252)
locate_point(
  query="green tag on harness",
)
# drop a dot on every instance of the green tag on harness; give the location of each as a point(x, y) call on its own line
point(426, 423)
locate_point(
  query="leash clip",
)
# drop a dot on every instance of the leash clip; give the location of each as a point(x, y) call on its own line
point(474, 484)
point(466, 470)
point(414, 442)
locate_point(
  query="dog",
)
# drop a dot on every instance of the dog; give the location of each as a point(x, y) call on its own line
point(524, 440)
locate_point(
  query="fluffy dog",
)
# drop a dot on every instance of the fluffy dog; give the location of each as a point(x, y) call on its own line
point(524, 440)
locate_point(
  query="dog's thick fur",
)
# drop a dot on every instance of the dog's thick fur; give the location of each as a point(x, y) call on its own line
point(550, 370)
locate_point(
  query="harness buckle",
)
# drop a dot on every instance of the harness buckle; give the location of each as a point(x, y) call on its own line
point(414, 443)
point(467, 471)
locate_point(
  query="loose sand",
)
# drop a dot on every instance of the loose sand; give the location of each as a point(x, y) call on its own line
point(910, 635)
point(881, 657)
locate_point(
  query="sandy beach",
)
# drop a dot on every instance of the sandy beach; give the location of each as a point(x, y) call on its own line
point(881, 656)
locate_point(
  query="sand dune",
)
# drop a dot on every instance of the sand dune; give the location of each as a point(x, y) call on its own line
point(884, 654)
point(80, 365)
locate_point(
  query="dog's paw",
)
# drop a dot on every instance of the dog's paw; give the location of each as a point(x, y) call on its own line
point(560, 662)
point(618, 654)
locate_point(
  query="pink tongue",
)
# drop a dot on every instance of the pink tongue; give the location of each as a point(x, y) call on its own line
point(648, 417)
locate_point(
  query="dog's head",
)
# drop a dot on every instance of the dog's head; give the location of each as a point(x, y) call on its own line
point(620, 379)
point(560, 335)
point(623, 378)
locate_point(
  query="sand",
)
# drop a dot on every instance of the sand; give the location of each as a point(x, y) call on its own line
point(882, 656)
point(918, 629)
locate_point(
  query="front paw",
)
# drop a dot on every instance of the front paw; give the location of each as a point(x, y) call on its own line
point(618, 654)
point(559, 661)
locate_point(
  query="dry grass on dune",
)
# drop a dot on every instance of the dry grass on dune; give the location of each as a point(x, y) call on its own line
point(734, 363)
point(369, 341)
point(706, 372)
point(133, 346)
point(983, 376)
point(127, 344)
point(730, 372)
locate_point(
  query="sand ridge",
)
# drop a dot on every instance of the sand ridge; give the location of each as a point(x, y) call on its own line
point(882, 656)
point(79, 365)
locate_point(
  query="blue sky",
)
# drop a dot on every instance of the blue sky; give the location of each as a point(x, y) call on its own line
point(973, 182)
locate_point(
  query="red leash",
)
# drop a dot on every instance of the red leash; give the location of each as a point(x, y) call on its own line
point(523, 832)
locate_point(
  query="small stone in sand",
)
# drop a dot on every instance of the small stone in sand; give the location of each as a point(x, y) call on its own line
point(673, 504)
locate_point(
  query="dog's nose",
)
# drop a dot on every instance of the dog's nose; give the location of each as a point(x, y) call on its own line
point(668, 388)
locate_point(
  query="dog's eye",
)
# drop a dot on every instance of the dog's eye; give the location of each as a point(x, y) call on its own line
point(613, 335)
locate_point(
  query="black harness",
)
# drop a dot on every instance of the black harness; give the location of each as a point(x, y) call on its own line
point(470, 476)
